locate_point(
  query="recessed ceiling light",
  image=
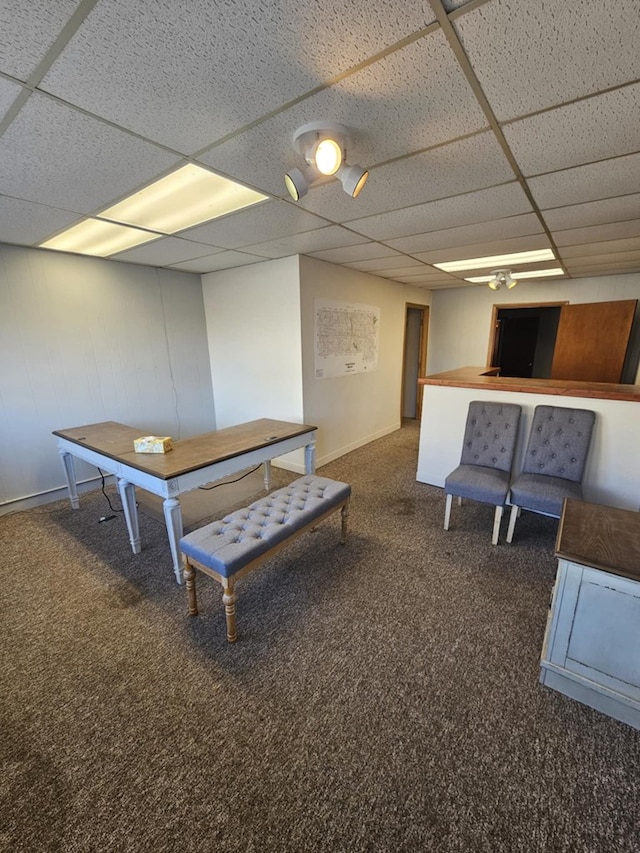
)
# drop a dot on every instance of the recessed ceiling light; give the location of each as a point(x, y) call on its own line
point(480, 279)
point(187, 197)
point(497, 260)
point(96, 237)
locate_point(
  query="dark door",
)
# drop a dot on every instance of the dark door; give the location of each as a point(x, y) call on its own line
point(517, 348)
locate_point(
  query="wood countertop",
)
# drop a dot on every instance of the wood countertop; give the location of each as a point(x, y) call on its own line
point(115, 440)
point(604, 537)
point(487, 378)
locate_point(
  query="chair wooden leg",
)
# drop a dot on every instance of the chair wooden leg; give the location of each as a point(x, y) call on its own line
point(496, 524)
point(447, 511)
point(190, 582)
point(229, 600)
point(515, 512)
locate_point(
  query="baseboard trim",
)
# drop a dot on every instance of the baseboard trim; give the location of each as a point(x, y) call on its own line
point(51, 495)
point(347, 448)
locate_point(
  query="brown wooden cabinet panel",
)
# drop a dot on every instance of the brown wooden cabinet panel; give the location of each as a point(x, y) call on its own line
point(592, 341)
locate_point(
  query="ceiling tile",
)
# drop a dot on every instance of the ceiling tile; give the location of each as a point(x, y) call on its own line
point(597, 233)
point(37, 163)
point(597, 128)
point(26, 224)
point(427, 273)
point(464, 209)
point(218, 261)
point(588, 183)
point(360, 252)
point(481, 232)
point(28, 31)
point(593, 212)
point(268, 220)
point(431, 283)
point(606, 264)
point(607, 247)
point(585, 49)
point(9, 91)
point(187, 78)
point(603, 265)
point(164, 252)
point(379, 264)
point(481, 250)
point(311, 241)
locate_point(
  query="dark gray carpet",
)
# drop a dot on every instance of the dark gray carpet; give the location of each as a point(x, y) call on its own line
point(382, 696)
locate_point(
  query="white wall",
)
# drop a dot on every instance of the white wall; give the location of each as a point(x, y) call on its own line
point(355, 409)
point(84, 340)
point(461, 317)
point(253, 324)
point(612, 471)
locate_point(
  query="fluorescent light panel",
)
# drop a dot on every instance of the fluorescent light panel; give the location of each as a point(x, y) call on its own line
point(187, 197)
point(498, 260)
point(479, 279)
point(96, 237)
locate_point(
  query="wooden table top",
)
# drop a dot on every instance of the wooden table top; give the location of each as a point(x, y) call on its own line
point(604, 537)
point(188, 454)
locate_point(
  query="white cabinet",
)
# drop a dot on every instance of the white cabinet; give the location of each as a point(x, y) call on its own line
point(591, 649)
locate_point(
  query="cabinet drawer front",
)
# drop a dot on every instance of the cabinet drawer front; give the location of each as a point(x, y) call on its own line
point(604, 644)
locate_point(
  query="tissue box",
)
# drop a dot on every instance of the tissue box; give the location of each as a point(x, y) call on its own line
point(152, 444)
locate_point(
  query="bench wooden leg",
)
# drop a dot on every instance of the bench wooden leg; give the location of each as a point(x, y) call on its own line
point(190, 581)
point(344, 513)
point(229, 600)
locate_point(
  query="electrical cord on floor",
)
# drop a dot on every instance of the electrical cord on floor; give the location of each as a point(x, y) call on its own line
point(111, 507)
point(228, 482)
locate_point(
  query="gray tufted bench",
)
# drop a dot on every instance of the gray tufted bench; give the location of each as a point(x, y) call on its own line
point(228, 549)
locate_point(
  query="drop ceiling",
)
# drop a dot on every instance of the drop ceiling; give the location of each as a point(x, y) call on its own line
point(488, 126)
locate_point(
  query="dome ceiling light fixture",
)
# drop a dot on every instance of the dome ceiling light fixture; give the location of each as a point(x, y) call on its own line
point(323, 145)
point(501, 278)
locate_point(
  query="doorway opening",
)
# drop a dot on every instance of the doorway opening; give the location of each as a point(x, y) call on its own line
point(414, 360)
point(525, 341)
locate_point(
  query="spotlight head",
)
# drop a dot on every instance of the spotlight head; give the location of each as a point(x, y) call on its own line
point(327, 156)
point(502, 277)
point(352, 178)
point(322, 144)
point(296, 183)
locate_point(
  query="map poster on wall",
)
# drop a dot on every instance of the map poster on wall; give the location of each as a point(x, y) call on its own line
point(346, 338)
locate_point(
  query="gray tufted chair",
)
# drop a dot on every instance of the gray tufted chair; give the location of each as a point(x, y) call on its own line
point(485, 464)
point(554, 462)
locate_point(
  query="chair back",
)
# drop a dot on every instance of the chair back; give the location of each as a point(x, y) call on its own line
point(490, 434)
point(559, 442)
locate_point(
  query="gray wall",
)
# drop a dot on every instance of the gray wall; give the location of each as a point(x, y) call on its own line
point(84, 340)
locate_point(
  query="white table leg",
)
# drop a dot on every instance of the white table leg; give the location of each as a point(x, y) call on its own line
point(173, 520)
point(267, 475)
point(70, 476)
point(310, 458)
point(127, 492)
